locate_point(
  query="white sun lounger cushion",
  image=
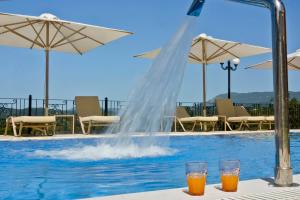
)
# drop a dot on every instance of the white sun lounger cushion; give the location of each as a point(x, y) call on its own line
point(102, 119)
point(246, 118)
point(237, 119)
point(200, 118)
point(270, 118)
point(256, 118)
point(33, 119)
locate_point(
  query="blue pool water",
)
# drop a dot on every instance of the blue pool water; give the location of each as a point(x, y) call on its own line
point(26, 176)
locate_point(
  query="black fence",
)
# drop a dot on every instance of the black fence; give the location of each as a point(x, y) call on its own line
point(196, 109)
point(35, 107)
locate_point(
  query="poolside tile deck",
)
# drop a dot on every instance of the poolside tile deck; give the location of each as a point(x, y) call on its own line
point(251, 189)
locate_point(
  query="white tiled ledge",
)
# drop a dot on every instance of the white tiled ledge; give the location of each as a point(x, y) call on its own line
point(81, 136)
point(247, 190)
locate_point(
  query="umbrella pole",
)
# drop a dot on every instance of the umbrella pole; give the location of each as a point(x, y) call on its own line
point(204, 77)
point(47, 71)
point(47, 83)
point(204, 88)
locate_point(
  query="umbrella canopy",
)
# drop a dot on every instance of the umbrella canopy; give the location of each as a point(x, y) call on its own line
point(293, 62)
point(208, 50)
point(52, 34)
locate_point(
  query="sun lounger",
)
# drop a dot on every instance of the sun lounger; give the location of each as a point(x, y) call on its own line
point(269, 121)
point(225, 110)
point(259, 120)
point(41, 123)
point(183, 117)
point(237, 115)
point(90, 114)
point(256, 120)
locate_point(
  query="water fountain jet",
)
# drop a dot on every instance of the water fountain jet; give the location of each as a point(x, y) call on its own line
point(196, 8)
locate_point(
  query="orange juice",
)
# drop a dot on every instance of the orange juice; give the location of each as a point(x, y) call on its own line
point(229, 182)
point(196, 184)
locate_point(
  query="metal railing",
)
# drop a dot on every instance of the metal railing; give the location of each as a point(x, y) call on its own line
point(35, 107)
point(195, 109)
point(263, 109)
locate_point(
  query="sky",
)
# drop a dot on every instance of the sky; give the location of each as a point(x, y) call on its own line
point(112, 71)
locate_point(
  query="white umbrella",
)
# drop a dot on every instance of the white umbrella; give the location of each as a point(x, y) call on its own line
point(293, 62)
point(52, 34)
point(208, 50)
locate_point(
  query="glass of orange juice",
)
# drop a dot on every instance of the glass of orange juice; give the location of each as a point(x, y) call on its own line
point(230, 172)
point(196, 173)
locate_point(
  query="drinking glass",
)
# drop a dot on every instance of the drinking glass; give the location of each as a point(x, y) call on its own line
point(196, 173)
point(230, 172)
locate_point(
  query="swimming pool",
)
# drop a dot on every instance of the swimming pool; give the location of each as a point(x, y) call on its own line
point(24, 176)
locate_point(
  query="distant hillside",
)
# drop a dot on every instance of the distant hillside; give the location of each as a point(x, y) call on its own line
point(254, 97)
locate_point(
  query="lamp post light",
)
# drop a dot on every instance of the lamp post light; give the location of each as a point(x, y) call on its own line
point(230, 68)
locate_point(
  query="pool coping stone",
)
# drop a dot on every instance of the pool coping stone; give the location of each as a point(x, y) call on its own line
point(95, 136)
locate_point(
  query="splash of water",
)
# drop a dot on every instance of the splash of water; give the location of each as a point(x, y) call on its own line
point(104, 151)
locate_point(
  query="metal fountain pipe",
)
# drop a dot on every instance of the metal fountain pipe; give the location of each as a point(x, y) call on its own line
point(283, 170)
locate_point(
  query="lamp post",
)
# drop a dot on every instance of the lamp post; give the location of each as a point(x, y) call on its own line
point(230, 68)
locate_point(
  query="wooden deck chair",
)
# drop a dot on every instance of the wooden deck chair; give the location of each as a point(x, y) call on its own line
point(259, 120)
point(90, 114)
point(183, 117)
point(40, 123)
point(237, 115)
point(226, 112)
point(256, 120)
point(269, 120)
